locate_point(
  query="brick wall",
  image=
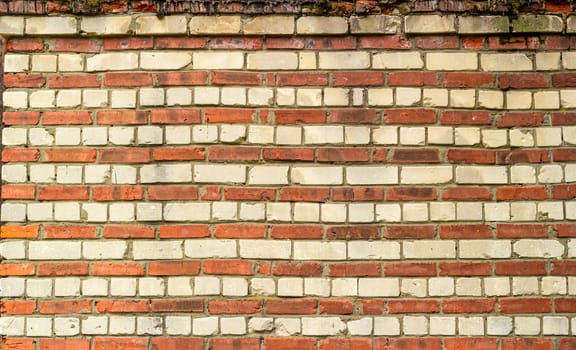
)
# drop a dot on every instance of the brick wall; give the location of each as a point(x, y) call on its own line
point(280, 183)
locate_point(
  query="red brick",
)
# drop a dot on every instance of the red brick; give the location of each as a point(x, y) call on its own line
point(184, 231)
point(229, 115)
point(465, 231)
point(564, 79)
point(355, 269)
point(291, 307)
point(511, 119)
point(437, 42)
point(115, 193)
point(240, 231)
point(19, 231)
point(410, 269)
point(62, 193)
point(567, 344)
point(471, 156)
point(235, 78)
point(371, 306)
point(413, 79)
point(415, 231)
point(296, 232)
point(65, 307)
point(165, 193)
point(117, 269)
point(354, 116)
point(233, 153)
point(234, 307)
point(468, 80)
point(249, 194)
point(121, 117)
point(17, 307)
point(471, 42)
point(519, 268)
point(63, 269)
point(115, 343)
point(302, 79)
point(527, 344)
point(131, 43)
point(177, 343)
point(346, 344)
point(523, 156)
point(66, 117)
point(64, 344)
point(566, 305)
point(412, 155)
point(352, 232)
point(210, 193)
point(75, 45)
point(18, 191)
point(180, 43)
point(477, 306)
point(464, 269)
point(525, 305)
point(228, 267)
point(17, 269)
point(565, 230)
point(328, 43)
point(514, 42)
point(128, 231)
point(333, 154)
point(20, 118)
point(20, 155)
point(385, 42)
point(558, 42)
point(25, 45)
point(174, 268)
point(413, 306)
point(121, 306)
point(411, 194)
point(521, 231)
point(521, 193)
point(522, 81)
point(245, 43)
point(304, 116)
point(181, 78)
point(179, 153)
point(175, 116)
point(304, 194)
point(128, 79)
point(470, 344)
point(563, 191)
point(69, 232)
point(73, 81)
point(563, 268)
point(124, 155)
point(178, 305)
point(291, 343)
point(410, 116)
point(564, 154)
point(284, 43)
point(22, 344)
point(232, 344)
point(465, 118)
point(415, 344)
point(24, 80)
point(305, 269)
point(302, 154)
point(368, 78)
point(358, 194)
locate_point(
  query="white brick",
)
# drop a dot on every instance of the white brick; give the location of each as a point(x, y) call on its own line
point(106, 25)
point(258, 249)
point(11, 249)
point(546, 100)
point(317, 286)
point(179, 286)
point(12, 25)
point(215, 25)
point(66, 326)
point(262, 286)
point(42, 99)
point(309, 97)
point(177, 135)
point(547, 61)
point(236, 287)
point(569, 134)
point(12, 326)
point(427, 249)
point(44, 63)
point(316, 175)
point(453, 61)
point(470, 326)
point(178, 97)
point(154, 173)
point(220, 173)
point(469, 286)
point(272, 61)
point(269, 25)
point(336, 97)
point(522, 174)
point(526, 325)
point(285, 96)
point(103, 250)
point(548, 136)
point(441, 286)
point(232, 326)
point(260, 96)
point(96, 173)
point(38, 327)
point(162, 25)
point(523, 211)
point(260, 134)
point(307, 60)
point(319, 250)
point(357, 135)
point(40, 211)
point(568, 60)
point(15, 99)
point(149, 325)
point(95, 325)
point(95, 287)
point(252, 211)
point(414, 287)
point(151, 97)
point(287, 326)
point(39, 288)
point(112, 61)
point(67, 136)
point(490, 99)
point(365, 250)
point(408, 96)
point(415, 325)
point(12, 287)
point(372, 175)
point(164, 60)
point(388, 212)
point(123, 174)
point(233, 96)
point(505, 62)
point(321, 25)
point(70, 63)
point(442, 325)
point(397, 60)
point(225, 210)
point(50, 250)
point(463, 98)
point(525, 286)
point(15, 173)
point(520, 138)
point(553, 285)
point(123, 286)
point(386, 326)
point(44, 25)
point(378, 287)
point(288, 135)
point(123, 99)
point(178, 325)
point(306, 212)
point(153, 250)
point(497, 211)
point(360, 212)
point(14, 136)
point(426, 175)
point(344, 60)
point(481, 175)
point(381, 97)
point(538, 248)
point(551, 173)
point(121, 212)
point(518, 99)
point(323, 134)
point(187, 211)
point(205, 326)
point(290, 287)
point(206, 286)
point(415, 212)
point(151, 286)
point(13, 212)
point(429, 24)
point(149, 135)
point(69, 174)
point(554, 325)
point(497, 286)
point(94, 136)
point(332, 212)
point(498, 325)
point(69, 98)
point(42, 173)
point(232, 133)
point(362, 326)
point(316, 326)
point(14, 63)
point(485, 249)
point(435, 97)
point(67, 287)
point(552, 210)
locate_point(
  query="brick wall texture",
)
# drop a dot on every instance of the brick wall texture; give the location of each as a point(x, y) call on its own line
point(288, 183)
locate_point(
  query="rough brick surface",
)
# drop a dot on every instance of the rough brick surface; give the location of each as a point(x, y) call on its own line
point(280, 182)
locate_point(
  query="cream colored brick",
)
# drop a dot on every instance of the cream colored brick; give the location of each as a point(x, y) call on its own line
point(546, 137)
point(316, 326)
point(178, 97)
point(258, 249)
point(268, 25)
point(285, 96)
point(155, 173)
point(553, 285)
point(105, 25)
point(154, 250)
point(429, 24)
point(44, 25)
point(11, 25)
point(344, 60)
point(288, 135)
point(435, 97)
point(123, 98)
point(14, 136)
point(252, 211)
point(159, 60)
point(415, 212)
point(470, 326)
point(374, 175)
point(213, 173)
point(483, 24)
point(262, 286)
point(161, 25)
point(555, 325)
point(388, 212)
point(306, 212)
point(260, 96)
point(491, 99)
point(518, 99)
point(378, 287)
point(426, 175)
point(524, 325)
point(380, 97)
point(408, 96)
point(316, 175)
point(16, 99)
point(415, 325)
point(494, 138)
point(538, 248)
point(376, 24)
point(40, 99)
point(187, 211)
point(310, 250)
point(290, 287)
point(39, 327)
point(356, 135)
point(397, 60)
point(44, 63)
point(268, 175)
point(428, 249)
point(112, 61)
point(442, 211)
point(14, 173)
point(360, 212)
point(414, 287)
point(321, 25)
point(358, 97)
point(219, 60)
point(39, 212)
point(365, 250)
point(225, 211)
point(175, 325)
point(442, 325)
point(463, 98)
point(234, 286)
point(69, 98)
point(344, 287)
point(521, 138)
point(481, 175)
point(568, 98)
point(469, 211)
point(550, 173)
point(537, 24)
point(14, 63)
point(277, 60)
point(307, 60)
point(547, 61)
point(362, 326)
point(505, 62)
point(522, 174)
point(440, 135)
point(215, 25)
point(206, 285)
point(468, 287)
point(232, 326)
point(485, 249)
point(525, 286)
point(323, 134)
point(412, 135)
point(498, 325)
point(206, 95)
point(232, 133)
point(497, 286)
point(336, 97)
point(552, 210)
point(231, 96)
point(453, 61)
point(546, 100)
point(205, 326)
point(309, 97)
point(569, 60)
point(522, 211)
point(385, 135)
point(332, 212)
